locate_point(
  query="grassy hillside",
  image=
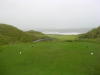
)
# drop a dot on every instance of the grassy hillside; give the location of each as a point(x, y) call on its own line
point(37, 34)
point(93, 34)
point(11, 34)
point(50, 58)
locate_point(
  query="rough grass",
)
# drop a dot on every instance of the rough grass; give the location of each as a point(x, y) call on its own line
point(50, 58)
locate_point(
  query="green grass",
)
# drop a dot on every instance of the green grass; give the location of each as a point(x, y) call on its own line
point(50, 58)
point(63, 37)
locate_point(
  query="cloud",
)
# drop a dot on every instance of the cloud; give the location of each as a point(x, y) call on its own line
point(34, 14)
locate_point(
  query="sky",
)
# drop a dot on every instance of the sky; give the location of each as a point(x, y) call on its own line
point(50, 14)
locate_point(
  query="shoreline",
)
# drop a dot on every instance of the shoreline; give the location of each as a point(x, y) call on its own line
point(59, 33)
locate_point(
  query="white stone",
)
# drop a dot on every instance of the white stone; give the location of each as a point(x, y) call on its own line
point(92, 53)
point(20, 52)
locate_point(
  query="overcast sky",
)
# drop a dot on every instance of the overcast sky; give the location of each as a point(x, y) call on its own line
point(39, 14)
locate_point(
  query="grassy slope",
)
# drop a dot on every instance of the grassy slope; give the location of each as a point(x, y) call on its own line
point(63, 37)
point(10, 34)
point(50, 58)
point(37, 34)
point(93, 34)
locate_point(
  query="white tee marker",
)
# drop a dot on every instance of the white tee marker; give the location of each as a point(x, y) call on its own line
point(92, 53)
point(20, 52)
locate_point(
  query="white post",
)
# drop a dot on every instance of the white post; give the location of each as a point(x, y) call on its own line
point(92, 52)
point(20, 52)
